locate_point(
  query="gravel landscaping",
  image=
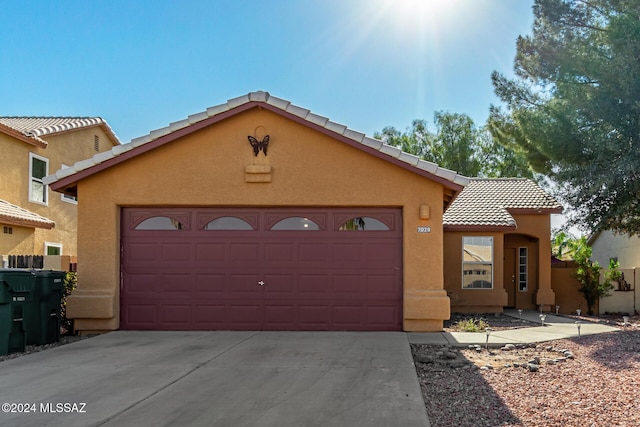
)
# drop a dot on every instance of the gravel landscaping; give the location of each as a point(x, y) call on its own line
point(587, 381)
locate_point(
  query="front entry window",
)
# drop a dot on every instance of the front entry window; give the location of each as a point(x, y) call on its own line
point(477, 262)
point(522, 269)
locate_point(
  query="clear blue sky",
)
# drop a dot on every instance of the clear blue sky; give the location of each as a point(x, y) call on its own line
point(363, 63)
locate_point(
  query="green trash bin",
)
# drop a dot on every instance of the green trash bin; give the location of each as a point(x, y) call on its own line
point(17, 298)
point(49, 288)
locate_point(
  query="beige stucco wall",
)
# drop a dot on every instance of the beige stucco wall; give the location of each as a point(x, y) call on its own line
point(208, 168)
point(608, 245)
point(64, 148)
point(533, 232)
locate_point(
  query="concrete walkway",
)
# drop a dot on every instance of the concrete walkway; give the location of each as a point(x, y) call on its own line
point(555, 327)
point(217, 378)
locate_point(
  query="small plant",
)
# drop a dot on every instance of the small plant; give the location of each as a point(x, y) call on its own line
point(70, 283)
point(588, 271)
point(471, 325)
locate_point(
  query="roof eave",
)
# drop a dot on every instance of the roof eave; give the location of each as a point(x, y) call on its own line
point(21, 222)
point(478, 227)
point(19, 135)
point(535, 211)
point(68, 183)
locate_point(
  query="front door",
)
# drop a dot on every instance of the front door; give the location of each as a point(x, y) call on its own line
point(510, 275)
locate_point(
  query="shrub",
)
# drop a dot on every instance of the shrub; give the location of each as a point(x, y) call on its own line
point(70, 283)
point(471, 325)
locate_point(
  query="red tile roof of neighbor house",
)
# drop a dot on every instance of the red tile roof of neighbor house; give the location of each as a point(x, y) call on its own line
point(265, 100)
point(36, 127)
point(15, 215)
point(490, 202)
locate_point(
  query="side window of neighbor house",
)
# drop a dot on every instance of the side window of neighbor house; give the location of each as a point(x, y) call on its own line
point(477, 262)
point(38, 169)
point(67, 197)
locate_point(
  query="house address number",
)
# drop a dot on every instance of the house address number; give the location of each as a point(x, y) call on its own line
point(423, 229)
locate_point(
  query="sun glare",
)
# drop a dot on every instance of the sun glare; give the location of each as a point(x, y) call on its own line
point(421, 12)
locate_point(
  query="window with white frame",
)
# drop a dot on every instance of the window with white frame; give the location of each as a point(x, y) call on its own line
point(523, 266)
point(66, 197)
point(52, 248)
point(477, 262)
point(38, 169)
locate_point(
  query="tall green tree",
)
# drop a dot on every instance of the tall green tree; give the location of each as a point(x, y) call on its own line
point(573, 107)
point(458, 144)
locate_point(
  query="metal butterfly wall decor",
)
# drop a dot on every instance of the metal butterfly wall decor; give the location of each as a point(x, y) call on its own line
point(259, 145)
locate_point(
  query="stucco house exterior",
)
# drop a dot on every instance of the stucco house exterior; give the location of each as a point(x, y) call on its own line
point(499, 231)
point(259, 214)
point(34, 220)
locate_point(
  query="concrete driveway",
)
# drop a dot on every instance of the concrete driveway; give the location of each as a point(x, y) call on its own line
point(218, 378)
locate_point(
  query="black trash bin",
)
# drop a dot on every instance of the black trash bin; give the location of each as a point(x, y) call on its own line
point(17, 301)
point(49, 286)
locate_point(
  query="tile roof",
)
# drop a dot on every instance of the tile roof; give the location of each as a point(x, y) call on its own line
point(15, 215)
point(276, 104)
point(490, 202)
point(37, 127)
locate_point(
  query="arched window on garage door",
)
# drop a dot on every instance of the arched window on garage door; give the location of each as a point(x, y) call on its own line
point(296, 223)
point(160, 223)
point(228, 223)
point(363, 223)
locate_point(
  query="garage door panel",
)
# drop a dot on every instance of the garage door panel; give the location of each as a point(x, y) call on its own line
point(280, 252)
point(314, 253)
point(142, 252)
point(314, 317)
point(315, 278)
point(346, 253)
point(279, 316)
point(211, 252)
point(244, 253)
point(314, 285)
point(210, 285)
point(244, 286)
point(175, 252)
point(141, 316)
point(383, 287)
point(176, 315)
point(384, 317)
point(248, 315)
point(176, 283)
point(211, 316)
point(347, 284)
point(347, 317)
point(279, 286)
point(383, 254)
point(141, 283)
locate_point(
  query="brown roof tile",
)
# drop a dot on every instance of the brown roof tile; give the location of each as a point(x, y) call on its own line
point(489, 202)
point(37, 127)
point(15, 215)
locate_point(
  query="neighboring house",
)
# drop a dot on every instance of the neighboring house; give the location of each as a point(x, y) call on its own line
point(257, 214)
point(606, 245)
point(499, 231)
point(34, 220)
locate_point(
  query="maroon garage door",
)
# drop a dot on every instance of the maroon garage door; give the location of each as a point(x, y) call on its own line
point(261, 269)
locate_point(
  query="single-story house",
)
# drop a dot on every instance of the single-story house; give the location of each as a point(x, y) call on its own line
point(258, 214)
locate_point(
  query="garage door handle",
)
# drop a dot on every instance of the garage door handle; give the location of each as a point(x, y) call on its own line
point(261, 283)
